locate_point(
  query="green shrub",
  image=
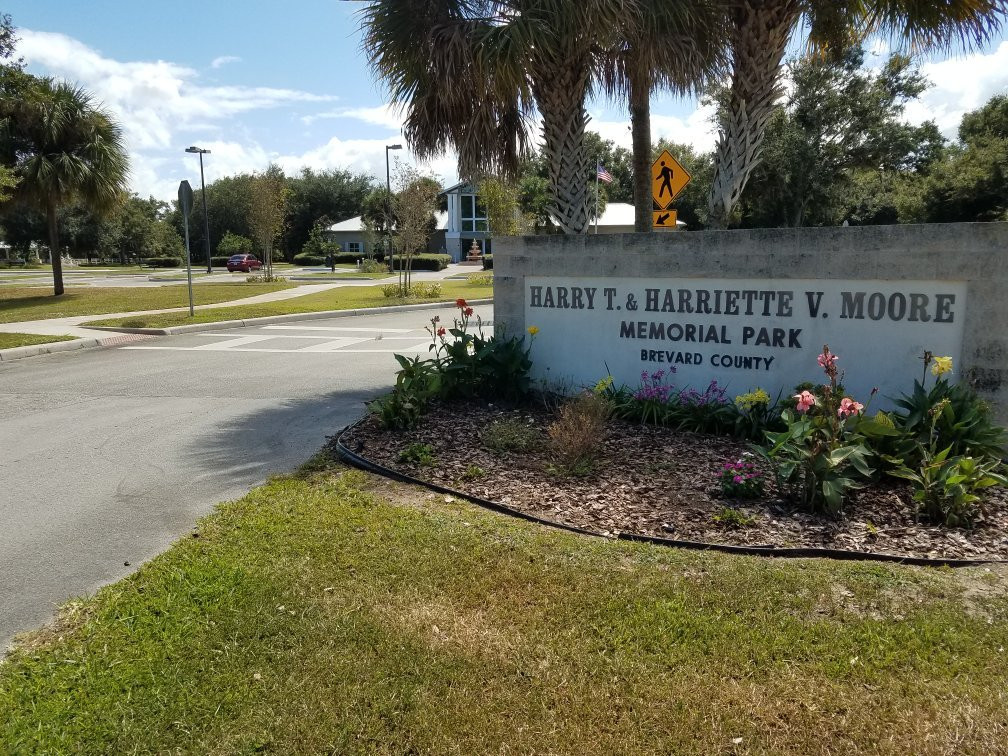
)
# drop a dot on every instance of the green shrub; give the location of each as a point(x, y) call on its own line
point(422, 262)
point(372, 266)
point(233, 244)
point(728, 517)
point(306, 258)
point(480, 279)
point(418, 290)
point(487, 262)
point(163, 262)
point(417, 383)
point(418, 454)
point(473, 472)
point(219, 262)
point(511, 436)
point(353, 257)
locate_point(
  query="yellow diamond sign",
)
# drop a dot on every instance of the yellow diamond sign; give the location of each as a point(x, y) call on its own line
point(668, 179)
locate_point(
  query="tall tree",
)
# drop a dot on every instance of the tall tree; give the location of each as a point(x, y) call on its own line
point(472, 75)
point(413, 206)
point(675, 45)
point(337, 194)
point(267, 211)
point(758, 36)
point(66, 149)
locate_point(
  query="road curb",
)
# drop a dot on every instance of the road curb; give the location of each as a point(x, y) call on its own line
point(17, 353)
point(248, 322)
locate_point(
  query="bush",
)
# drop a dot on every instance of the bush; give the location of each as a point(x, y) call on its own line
point(419, 290)
point(163, 262)
point(740, 479)
point(577, 432)
point(417, 383)
point(232, 244)
point(265, 278)
point(353, 257)
point(418, 454)
point(422, 262)
point(480, 279)
point(487, 262)
point(372, 266)
point(219, 262)
point(728, 517)
point(511, 436)
point(305, 258)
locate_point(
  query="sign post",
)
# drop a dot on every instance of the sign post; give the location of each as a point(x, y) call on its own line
point(185, 200)
point(668, 179)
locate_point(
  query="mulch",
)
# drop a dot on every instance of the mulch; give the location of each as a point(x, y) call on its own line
point(661, 482)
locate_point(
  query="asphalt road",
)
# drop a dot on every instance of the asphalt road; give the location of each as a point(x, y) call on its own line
point(107, 456)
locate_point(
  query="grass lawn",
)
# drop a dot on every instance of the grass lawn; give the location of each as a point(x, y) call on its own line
point(344, 298)
point(35, 303)
point(329, 611)
point(11, 340)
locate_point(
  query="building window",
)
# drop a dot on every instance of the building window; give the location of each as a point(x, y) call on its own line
point(473, 215)
point(354, 248)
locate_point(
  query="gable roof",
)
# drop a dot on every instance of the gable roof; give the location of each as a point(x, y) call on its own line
point(354, 225)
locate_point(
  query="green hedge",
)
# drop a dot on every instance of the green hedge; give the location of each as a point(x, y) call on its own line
point(487, 262)
point(163, 262)
point(352, 257)
point(423, 262)
point(306, 258)
point(219, 262)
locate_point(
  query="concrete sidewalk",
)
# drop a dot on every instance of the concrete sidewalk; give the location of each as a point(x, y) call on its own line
point(70, 326)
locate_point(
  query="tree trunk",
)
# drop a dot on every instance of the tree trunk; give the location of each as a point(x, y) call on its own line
point(640, 126)
point(759, 40)
point(560, 92)
point(54, 252)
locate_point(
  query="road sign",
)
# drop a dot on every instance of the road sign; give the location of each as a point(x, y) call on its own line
point(668, 178)
point(185, 198)
point(664, 218)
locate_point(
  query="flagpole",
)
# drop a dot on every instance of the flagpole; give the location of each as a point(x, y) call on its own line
point(596, 195)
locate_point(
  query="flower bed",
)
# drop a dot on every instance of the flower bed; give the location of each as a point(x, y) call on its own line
point(657, 481)
point(812, 470)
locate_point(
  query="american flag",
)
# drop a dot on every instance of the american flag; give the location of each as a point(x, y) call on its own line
point(603, 174)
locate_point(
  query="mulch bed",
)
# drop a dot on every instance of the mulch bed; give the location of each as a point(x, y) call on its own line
point(661, 482)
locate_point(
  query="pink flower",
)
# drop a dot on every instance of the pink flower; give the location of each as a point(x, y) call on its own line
point(805, 401)
point(441, 331)
point(849, 407)
point(737, 479)
point(827, 360)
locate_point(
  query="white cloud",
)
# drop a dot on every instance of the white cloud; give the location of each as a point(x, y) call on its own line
point(386, 115)
point(152, 99)
point(960, 84)
point(696, 129)
point(223, 60)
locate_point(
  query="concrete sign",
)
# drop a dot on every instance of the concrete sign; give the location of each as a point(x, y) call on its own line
point(743, 333)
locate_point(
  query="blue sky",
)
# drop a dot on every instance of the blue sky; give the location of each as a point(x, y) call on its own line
point(257, 81)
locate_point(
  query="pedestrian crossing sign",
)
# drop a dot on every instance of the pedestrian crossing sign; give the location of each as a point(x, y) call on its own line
point(668, 179)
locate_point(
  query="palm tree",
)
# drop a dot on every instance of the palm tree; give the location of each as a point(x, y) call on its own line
point(472, 73)
point(759, 34)
point(677, 45)
point(67, 149)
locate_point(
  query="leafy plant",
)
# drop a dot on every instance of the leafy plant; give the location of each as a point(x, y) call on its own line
point(945, 487)
point(417, 383)
point(728, 517)
point(511, 436)
point(740, 479)
point(418, 454)
point(368, 265)
point(473, 472)
point(818, 456)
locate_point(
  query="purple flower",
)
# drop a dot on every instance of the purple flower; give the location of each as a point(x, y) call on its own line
point(737, 479)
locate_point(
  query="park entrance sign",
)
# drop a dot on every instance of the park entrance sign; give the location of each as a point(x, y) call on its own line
point(753, 308)
point(743, 333)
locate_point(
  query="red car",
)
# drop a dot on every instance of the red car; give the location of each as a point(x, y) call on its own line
point(244, 263)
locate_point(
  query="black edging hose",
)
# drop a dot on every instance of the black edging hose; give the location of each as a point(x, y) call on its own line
point(771, 551)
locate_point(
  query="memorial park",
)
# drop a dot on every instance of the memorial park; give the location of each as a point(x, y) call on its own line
point(597, 449)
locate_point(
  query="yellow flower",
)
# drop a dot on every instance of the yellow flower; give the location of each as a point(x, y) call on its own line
point(752, 399)
point(941, 366)
point(533, 330)
point(602, 386)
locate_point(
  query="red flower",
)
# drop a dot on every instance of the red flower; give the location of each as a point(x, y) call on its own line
point(460, 303)
point(441, 332)
point(468, 311)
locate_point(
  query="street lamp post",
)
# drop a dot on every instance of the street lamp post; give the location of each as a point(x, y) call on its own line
point(206, 219)
point(388, 203)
